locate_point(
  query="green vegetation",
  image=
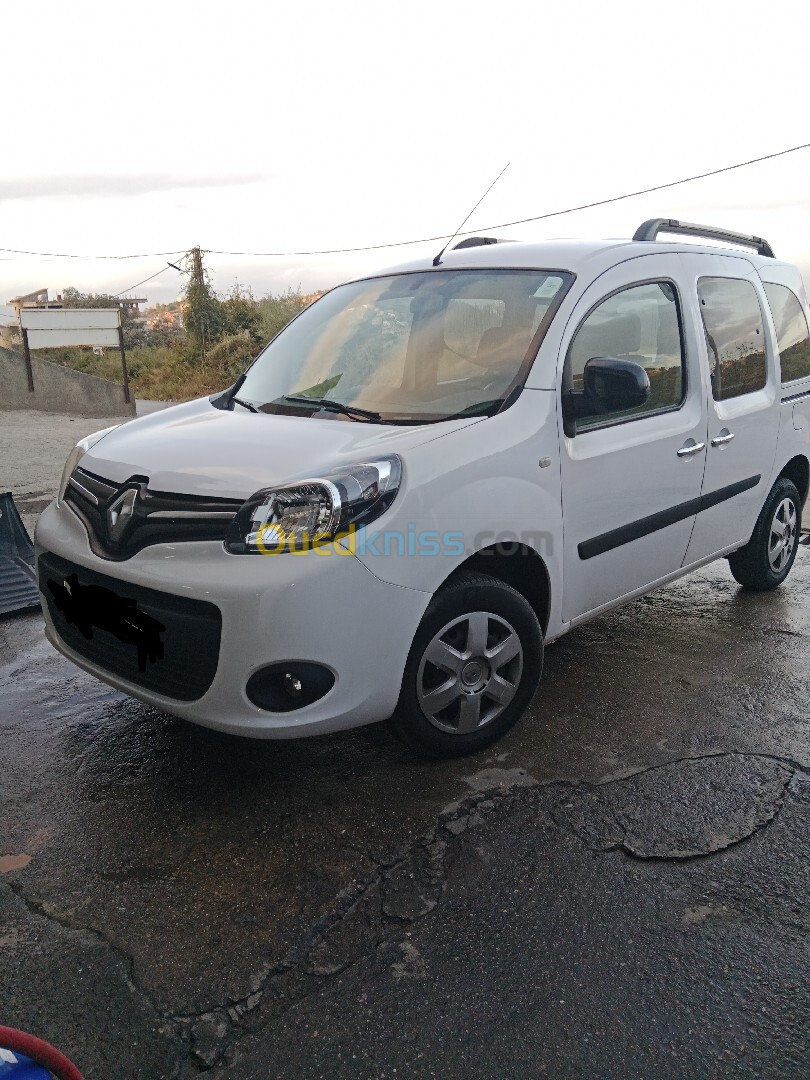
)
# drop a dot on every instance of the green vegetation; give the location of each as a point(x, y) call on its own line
point(220, 336)
point(796, 360)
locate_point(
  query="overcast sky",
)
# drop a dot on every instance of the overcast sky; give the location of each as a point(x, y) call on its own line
point(256, 127)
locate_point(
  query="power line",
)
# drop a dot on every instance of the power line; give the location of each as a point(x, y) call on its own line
point(521, 221)
point(139, 283)
point(657, 187)
point(66, 255)
point(13, 318)
point(427, 239)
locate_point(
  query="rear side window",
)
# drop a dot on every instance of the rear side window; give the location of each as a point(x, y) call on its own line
point(735, 336)
point(643, 324)
point(792, 334)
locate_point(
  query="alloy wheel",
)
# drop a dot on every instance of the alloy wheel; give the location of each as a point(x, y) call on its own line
point(782, 536)
point(469, 672)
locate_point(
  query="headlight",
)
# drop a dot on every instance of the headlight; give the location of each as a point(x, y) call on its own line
point(75, 456)
point(313, 512)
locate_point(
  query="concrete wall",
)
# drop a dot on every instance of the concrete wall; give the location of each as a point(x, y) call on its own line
point(58, 389)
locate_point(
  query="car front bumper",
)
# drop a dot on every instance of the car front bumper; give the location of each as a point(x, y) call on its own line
point(327, 609)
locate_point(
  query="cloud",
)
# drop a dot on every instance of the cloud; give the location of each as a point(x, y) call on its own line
point(115, 184)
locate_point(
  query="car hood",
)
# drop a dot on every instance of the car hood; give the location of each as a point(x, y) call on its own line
point(198, 449)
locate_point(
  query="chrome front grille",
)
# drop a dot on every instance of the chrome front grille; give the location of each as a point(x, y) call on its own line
point(122, 519)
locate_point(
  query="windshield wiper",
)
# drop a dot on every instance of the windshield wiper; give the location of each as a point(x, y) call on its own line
point(481, 408)
point(244, 404)
point(333, 406)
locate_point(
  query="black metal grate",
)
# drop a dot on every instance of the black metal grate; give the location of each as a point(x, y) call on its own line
point(189, 638)
point(18, 590)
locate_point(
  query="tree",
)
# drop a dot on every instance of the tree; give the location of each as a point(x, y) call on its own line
point(73, 298)
point(204, 316)
point(275, 311)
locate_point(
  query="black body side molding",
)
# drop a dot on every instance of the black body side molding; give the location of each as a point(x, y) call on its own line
point(588, 549)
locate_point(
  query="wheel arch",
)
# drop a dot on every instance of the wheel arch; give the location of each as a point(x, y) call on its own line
point(517, 565)
point(797, 470)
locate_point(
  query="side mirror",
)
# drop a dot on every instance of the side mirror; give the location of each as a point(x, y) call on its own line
point(613, 385)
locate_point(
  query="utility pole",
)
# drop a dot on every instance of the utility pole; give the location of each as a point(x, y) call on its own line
point(198, 278)
point(197, 266)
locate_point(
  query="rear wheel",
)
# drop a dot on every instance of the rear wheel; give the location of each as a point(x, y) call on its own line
point(767, 558)
point(474, 664)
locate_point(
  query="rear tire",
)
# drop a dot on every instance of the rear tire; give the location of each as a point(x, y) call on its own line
point(473, 667)
point(767, 558)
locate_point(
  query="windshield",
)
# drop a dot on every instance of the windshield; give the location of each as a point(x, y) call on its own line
point(411, 348)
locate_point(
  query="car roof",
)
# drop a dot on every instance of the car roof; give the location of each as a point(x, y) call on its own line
point(576, 256)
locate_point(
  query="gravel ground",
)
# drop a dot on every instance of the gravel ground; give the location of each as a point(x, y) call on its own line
point(33, 448)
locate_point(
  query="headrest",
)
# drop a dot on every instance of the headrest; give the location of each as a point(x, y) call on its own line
point(500, 346)
point(494, 339)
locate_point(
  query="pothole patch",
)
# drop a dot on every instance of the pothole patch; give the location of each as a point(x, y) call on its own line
point(680, 810)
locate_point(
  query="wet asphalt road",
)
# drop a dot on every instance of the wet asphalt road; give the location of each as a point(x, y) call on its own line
point(620, 888)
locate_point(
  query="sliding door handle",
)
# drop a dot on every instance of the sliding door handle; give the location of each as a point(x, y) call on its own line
point(721, 440)
point(690, 448)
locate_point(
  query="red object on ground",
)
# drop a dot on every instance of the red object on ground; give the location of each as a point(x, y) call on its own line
point(39, 1051)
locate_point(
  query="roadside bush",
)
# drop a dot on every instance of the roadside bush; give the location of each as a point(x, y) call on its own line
point(276, 311)
point(229, 357)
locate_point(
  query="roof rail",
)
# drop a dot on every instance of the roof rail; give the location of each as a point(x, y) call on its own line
point(649, 230)
point(477, 241)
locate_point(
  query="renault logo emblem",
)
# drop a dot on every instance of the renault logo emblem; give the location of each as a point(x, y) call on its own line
point(120, 512)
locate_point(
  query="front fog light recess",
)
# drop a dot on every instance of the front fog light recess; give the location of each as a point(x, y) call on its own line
point(293, 684)
point(295, 517)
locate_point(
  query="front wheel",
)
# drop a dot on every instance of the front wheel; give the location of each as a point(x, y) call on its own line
point(474, 664)
point(766, 559)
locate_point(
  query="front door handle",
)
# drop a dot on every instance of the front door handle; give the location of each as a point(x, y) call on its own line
point(721, 440)
point(691, 448)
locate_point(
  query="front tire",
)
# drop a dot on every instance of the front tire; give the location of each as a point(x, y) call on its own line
point(473, 667)
point(767, 558)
